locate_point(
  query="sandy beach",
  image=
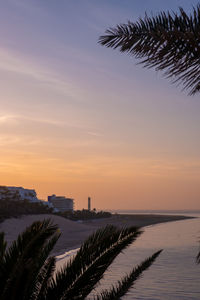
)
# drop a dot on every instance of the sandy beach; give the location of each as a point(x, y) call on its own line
point(74, 233)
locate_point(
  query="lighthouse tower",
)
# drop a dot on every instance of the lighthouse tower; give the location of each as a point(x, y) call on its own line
point(89, 203)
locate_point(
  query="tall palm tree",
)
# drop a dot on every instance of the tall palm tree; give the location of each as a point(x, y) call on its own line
point(27, 272)
point(168, 41)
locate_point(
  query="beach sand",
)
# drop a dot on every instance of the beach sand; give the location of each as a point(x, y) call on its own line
point(74, 233)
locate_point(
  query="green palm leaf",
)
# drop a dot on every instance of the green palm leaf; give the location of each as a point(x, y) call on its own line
point(168, 41)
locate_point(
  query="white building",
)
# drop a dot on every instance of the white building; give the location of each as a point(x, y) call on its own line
point(17, 193)
point(20, 194)
point(61, 203)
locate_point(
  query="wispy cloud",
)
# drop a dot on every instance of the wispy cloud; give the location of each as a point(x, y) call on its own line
point(9, 140)
point(13, 119)
point(7, 119)
point(97, 134)
point(12, 62)
point(17, 119)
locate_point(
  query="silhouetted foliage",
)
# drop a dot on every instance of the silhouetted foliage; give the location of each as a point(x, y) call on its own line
point(168, 41)
point(198, 258)
point(27, 271)
point(16, 208)
point(84, 214)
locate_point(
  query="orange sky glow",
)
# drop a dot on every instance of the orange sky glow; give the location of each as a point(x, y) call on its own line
point(81, 120)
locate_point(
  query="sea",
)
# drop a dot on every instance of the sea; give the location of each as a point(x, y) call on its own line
point(175, 275)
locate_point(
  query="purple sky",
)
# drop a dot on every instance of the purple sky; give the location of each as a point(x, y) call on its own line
point(79, 119)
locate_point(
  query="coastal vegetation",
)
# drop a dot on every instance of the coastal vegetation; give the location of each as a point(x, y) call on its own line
point(15, 208)
point(27, 271)
point(84, 214)
point(168, 42)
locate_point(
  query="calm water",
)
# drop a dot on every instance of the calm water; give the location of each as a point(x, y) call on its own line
point(174, 275)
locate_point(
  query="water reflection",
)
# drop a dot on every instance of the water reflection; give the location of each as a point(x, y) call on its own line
point(174, 275)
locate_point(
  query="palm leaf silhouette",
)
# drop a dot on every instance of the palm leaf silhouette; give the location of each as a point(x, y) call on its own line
point(168, 41)
point(27, 272)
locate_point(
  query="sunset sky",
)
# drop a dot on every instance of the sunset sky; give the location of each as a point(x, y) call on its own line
point(78, 119)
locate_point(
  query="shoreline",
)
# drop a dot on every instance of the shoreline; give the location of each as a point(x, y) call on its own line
point(74, 233)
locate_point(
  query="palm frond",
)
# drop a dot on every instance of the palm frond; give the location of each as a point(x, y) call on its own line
point(42, 262)
point(169, 42)
point(23, 260)
point(43, 279)
point(77, 279)
point(127, 282)
point(27, 271)
point(3, 245)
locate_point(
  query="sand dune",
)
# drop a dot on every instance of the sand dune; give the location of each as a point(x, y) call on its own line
point(74, 233)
